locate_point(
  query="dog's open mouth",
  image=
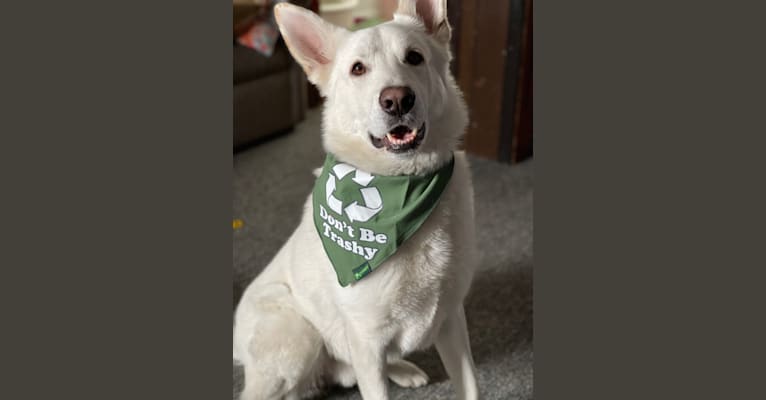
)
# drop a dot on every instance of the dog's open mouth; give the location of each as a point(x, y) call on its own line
point(400, 139)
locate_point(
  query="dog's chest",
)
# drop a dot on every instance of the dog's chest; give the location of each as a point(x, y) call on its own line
point(403, 298)
point(417, 302)
point(403, 302)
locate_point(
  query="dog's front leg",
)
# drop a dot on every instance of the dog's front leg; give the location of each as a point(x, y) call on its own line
point(369, 362)
point(455, 351)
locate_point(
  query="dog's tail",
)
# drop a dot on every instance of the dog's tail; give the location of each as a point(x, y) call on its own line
point(281, 352)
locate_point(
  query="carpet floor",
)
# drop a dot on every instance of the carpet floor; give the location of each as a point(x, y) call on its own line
point(271, 182)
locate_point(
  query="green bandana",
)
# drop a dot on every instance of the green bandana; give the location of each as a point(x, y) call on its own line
point(362, 218)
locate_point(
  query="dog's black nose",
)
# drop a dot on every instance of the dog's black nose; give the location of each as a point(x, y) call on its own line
point(397, 100)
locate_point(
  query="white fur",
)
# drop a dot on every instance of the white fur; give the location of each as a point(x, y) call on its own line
point(296, 329)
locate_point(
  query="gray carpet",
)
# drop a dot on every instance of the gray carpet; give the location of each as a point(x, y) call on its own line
point(271, 182)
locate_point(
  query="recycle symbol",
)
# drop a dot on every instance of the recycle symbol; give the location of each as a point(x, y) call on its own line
point(373, 204)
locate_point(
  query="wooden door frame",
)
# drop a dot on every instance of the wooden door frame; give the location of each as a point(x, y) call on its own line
point(493, 68)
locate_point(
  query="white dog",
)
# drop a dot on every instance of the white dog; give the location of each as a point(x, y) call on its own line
point(392, 109)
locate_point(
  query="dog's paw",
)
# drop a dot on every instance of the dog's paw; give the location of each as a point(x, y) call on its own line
point(406, 374)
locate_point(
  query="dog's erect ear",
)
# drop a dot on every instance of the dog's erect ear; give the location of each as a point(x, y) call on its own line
point(433, 13)
point(311, 40)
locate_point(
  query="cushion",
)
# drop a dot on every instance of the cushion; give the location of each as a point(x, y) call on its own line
point(250, 65)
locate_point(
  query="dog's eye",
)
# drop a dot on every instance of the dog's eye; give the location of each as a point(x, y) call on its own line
point(413, 57)
point(358, 69)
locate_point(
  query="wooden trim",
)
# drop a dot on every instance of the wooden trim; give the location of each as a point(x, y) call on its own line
point(454, 15)
point(521, 147)
point(511, 82)
point(465, 47)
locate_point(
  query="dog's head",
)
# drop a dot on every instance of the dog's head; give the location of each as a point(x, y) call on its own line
point(392, 106)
